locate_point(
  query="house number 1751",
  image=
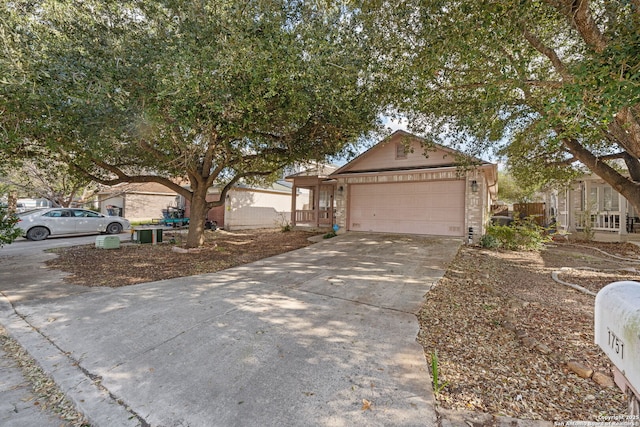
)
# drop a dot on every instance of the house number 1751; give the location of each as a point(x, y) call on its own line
point(616, 343)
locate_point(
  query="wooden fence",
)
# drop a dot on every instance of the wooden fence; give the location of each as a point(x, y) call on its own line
point(535, 210)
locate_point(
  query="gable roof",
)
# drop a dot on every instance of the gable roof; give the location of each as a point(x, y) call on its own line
point(319, 170)
point(382, 156)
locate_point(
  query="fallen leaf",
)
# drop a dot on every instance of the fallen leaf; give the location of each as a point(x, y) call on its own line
point(366, 405)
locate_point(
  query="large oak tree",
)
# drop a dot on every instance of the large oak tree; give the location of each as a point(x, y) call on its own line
point(553, 84)
point(189, 94)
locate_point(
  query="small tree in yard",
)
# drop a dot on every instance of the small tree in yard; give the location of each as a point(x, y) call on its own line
point(185, 94)
point(50, 179)
point(8, 230)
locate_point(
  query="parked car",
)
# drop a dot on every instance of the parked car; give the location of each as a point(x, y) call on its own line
point(42, 223)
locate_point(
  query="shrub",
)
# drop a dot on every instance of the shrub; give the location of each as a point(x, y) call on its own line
point(489, 241)
point(283, 222)
point(522, 234)
point(285, 228)
point(8, 230)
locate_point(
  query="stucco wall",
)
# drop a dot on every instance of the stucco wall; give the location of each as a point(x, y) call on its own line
point(257, 209)
point(145, 207)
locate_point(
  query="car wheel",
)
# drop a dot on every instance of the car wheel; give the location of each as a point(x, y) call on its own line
point(114, 228)
point(37, 233)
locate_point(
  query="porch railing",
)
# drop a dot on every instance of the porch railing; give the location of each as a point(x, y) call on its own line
point(602, 221)
point(303, 217)
point(325, 216)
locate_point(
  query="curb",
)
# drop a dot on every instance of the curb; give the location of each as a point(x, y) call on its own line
point(460, 418)
point(94, 402)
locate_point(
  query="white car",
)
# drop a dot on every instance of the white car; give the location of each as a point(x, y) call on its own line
point(42, 223)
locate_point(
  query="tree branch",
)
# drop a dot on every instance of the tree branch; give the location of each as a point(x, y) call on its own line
point(124, 178)
point(579, 16)
point(549, 53)
point(630, 128)
point(619, 182)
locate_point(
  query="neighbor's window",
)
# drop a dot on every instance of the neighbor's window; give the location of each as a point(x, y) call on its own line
point(603, 198)
point(401, 151)
point(609, 199)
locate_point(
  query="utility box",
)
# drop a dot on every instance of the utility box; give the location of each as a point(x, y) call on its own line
point(108, 242)
point(147, 235)
point(617, 331)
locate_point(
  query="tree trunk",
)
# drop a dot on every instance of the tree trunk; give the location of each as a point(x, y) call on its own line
point(12, 201)
point(197, 216)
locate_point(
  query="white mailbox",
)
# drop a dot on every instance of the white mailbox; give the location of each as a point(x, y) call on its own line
point(617, 331)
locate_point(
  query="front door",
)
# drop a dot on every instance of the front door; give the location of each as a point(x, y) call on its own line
point(325, 207)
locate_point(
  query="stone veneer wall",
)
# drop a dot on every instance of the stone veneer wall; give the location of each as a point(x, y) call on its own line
point(476, 206)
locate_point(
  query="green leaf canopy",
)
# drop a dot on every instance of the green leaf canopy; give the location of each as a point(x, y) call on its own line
point(551, 84)
point(203, 91)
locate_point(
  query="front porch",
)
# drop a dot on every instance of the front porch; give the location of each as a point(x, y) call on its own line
point(314, 205)
point(608, 225)
point(592, 209)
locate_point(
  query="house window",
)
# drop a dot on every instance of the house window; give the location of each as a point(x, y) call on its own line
point(401, 151)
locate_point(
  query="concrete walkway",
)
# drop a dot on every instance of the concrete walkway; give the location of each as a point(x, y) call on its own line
point(298, 339)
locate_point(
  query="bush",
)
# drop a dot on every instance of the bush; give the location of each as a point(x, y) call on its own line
point(283, 223)
point(285, 228)
point(329, 235)
point(8, 230)
point(489, 241)
point(519, 235)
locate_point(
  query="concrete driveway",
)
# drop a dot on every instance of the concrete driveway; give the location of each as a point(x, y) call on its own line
point(297, 339)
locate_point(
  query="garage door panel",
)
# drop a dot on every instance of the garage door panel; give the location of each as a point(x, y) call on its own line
point(418, 207)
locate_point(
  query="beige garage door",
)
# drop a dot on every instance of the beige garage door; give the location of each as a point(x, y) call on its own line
point(435, 208)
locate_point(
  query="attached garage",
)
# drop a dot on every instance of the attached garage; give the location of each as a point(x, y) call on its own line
point(435, 207)
point(404, 184)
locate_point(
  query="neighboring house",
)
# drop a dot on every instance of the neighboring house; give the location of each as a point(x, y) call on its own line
point(138, 202)
point(395, 188)
point(249, 207)
point(591, 206)
point(245, 207)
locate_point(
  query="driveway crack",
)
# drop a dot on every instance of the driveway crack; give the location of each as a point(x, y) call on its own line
point(355, 301)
